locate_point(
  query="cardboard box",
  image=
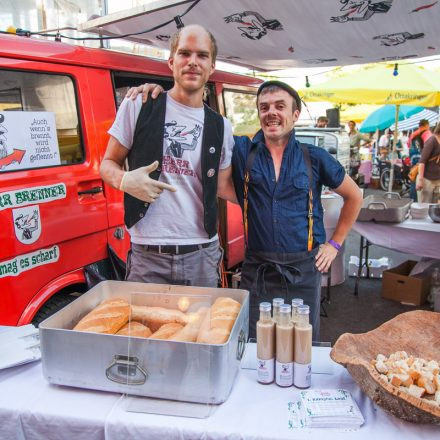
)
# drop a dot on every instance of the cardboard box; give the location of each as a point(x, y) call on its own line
point(398, 286)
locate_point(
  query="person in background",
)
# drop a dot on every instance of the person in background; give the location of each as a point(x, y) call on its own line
point(170, 195)
point(278, 183)
point(384, 144)
point(355, 141)
point(322, 122)
point(429, 167)
point(421, 135)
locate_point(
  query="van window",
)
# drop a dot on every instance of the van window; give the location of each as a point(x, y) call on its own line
point(39, 124)
point(241, 110)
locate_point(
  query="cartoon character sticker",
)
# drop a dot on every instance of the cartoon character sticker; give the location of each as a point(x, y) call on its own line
point(254, 25)
point(397, 38)
point(178, 141)
point(361, 10)
point(27, 224)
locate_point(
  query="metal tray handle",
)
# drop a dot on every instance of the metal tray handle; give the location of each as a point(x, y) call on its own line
point(125, 370)
point(392, 193)
point(241, 344)
point(377, 203)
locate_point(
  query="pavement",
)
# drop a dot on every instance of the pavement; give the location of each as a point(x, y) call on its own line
point(358, 314)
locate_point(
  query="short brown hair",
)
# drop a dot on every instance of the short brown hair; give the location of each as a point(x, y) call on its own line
point(275, 86)
point(174, 42)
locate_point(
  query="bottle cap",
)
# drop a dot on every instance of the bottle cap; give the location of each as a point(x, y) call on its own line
point(265, 307)
point(303, 310)
point(285, 308)
point(278, 301)
point(297, 302)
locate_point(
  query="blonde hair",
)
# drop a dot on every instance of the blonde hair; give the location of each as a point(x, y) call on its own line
point(174, 42)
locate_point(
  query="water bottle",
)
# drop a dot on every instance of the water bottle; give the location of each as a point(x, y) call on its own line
point(434, 291)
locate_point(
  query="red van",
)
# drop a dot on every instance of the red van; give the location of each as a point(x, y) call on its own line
point(59, 223)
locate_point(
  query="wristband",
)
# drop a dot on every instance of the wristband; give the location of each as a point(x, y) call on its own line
point(337, 246)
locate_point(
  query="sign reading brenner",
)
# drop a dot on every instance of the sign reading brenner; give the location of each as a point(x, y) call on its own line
point(28, 140)
point(29, 196)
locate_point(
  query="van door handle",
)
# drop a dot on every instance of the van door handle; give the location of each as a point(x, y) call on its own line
point(94, 190)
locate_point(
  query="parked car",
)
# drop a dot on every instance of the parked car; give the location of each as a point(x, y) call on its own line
point(60, 224)
point(335, 140)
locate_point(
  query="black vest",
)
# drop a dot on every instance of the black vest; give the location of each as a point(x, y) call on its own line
point(148, 147)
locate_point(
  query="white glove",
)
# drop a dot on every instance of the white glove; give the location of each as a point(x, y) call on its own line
point(139, 184)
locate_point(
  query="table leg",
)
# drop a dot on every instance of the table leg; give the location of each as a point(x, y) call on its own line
point(361, 258)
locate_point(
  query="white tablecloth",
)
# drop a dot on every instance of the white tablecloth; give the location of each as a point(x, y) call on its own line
point(416, 237)
point(30, 408)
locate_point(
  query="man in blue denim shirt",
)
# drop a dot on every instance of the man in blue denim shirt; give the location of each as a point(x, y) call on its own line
point(278, 261)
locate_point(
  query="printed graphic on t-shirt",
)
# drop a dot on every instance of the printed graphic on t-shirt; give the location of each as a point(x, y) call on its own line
point(179, 138)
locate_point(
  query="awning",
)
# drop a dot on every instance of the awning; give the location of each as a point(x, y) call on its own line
point(413, 122)
point(285, 33)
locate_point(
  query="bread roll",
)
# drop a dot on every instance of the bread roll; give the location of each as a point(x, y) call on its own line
point(213, 336)
point(156, 317)
point(166, 331)
point(135, 328)
point(218, 323)
point(191, 330)
point(108, 317)
point(224, 312)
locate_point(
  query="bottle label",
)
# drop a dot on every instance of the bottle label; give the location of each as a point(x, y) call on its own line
point(302, 376)
point(284, 374)
point(265, 370)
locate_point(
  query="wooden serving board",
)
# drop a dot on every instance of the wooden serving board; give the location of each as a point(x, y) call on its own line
point(417, 333)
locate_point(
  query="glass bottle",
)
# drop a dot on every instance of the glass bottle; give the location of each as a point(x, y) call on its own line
point(284, 347)
point(302, 377)
point(265, 345)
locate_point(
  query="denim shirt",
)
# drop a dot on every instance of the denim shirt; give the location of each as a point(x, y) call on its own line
point(277, 211)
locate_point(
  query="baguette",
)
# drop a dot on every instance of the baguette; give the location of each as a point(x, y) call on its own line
point(156, 317)
point(191, 330)
point(108, 317)
point(135, 328)
point(166, 331)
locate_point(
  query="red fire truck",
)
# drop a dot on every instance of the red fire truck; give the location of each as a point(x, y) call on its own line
point(60, 225)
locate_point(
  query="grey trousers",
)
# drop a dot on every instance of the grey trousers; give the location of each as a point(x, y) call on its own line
point(199, 268)
point(269, 275)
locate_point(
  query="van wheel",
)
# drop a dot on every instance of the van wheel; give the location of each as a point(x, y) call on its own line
point(57, 302)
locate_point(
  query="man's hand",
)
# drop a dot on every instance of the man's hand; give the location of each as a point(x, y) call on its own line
point(325, 256)
point(146, 89)
point(420, 183)
point(139, 184)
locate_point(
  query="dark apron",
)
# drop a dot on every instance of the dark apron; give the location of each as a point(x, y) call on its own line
point(269, 275)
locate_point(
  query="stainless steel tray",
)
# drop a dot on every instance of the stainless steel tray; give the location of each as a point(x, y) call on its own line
point(190, 372)
point(388, 208)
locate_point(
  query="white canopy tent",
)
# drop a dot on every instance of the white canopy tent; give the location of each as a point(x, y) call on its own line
point(284, 33)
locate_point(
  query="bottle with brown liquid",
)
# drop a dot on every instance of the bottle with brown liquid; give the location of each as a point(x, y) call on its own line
point(276, 303)
point(265, 345)
point(295, 303)
point(302, 377)
point(284, 348)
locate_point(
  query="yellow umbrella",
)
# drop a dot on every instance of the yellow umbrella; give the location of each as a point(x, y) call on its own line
point(376, 84)
point(356, 113)
point(380, 84)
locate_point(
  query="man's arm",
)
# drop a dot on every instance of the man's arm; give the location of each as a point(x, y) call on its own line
point(352, 196)
point(225, 187)
point(112, 164)
point(137, 183)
